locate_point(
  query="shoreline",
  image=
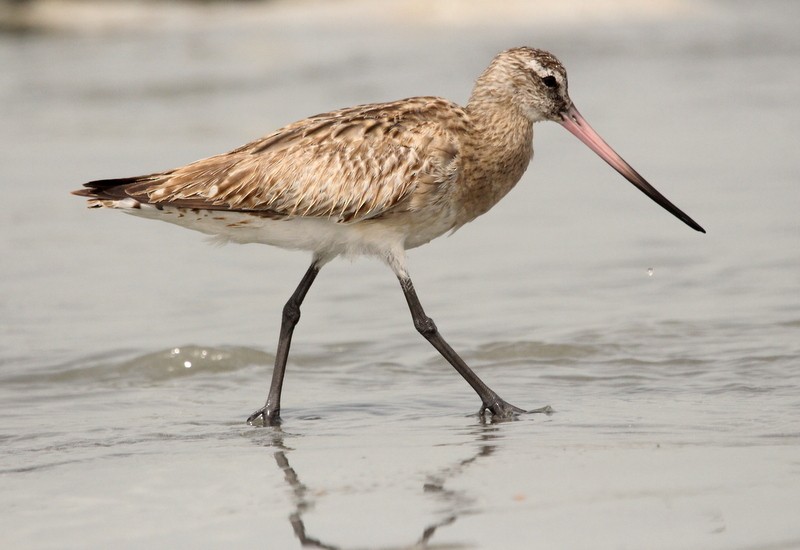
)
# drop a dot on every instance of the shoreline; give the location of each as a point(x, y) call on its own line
point(92, 16)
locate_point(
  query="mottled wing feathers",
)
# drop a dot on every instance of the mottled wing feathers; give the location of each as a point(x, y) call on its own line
point(347, 165)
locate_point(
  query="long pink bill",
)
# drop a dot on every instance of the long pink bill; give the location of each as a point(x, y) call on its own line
point(577, 125)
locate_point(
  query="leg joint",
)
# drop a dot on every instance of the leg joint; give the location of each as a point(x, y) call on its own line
point(291, 312)
point(425, 326)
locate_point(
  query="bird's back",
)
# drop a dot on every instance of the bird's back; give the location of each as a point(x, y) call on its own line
point(347, 165)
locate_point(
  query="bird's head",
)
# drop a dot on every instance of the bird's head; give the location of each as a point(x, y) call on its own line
point(533, 83)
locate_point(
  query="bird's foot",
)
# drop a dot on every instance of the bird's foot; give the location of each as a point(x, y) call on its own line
point(503, 410)
point(269, 417)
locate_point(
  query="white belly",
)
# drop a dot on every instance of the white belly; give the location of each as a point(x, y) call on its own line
point(383, 238)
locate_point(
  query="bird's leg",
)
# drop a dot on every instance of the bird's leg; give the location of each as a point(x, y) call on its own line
point(270, 412)
point(425, 326)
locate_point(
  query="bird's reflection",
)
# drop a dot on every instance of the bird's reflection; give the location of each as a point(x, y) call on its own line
point(461, 502)
point(453, 503)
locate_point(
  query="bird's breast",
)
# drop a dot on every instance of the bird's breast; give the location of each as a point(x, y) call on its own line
point(486, 180)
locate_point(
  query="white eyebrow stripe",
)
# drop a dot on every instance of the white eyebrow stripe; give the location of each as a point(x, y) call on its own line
point(537, 67)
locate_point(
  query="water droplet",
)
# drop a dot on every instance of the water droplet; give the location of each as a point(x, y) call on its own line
point(187, 364)
point(650, 271)
point(175, 351)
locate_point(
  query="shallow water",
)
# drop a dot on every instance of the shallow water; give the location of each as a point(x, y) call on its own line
point(131, 351)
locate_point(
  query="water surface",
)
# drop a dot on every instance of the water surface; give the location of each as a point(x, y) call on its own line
point(131, 352)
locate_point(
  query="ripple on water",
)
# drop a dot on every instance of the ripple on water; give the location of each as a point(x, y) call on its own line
point(126, 367)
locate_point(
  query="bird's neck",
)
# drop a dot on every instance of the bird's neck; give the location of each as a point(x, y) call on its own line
point(499, 123)
point(500, 148)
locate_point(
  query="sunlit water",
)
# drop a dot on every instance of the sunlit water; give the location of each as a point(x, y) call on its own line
point(131, 352)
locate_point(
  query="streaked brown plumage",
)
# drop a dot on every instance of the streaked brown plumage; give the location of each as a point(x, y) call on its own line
point(373, 180)
point(347, 165)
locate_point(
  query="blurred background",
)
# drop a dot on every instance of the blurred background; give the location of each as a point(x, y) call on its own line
point(575, 290)
point(698, 96)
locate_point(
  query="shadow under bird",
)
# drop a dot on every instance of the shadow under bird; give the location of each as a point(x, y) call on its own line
point(373, 180)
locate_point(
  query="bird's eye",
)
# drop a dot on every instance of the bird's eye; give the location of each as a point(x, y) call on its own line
point(550, 81)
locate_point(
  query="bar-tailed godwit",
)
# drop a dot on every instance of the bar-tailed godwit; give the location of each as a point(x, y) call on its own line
point(373, 180)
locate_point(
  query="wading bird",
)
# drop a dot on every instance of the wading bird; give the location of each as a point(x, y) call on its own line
point(373, 180)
